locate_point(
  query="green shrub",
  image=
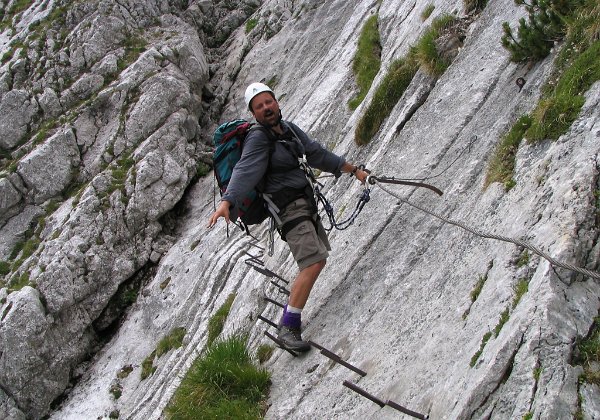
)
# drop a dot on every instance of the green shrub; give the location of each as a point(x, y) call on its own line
point(546, 24)
point(221, 384)
point(367, 60)
point(502, 163)
point(217, 322)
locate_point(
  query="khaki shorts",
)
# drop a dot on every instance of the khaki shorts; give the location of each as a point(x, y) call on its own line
point(308, 245)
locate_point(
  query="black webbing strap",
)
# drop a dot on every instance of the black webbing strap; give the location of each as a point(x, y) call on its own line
point(291, 224)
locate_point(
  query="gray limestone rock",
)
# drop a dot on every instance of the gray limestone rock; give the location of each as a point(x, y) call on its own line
point(50, 168)
point(141, 86)
point(16, 112)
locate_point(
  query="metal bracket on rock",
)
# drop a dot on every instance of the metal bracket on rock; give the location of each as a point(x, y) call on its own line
point(337, 359)
point(372, 179)
point(382, 404)
point(273, 301)
point(268, 321)
point(266, 272)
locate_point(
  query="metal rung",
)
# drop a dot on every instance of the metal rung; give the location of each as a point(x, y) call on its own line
point(253, 258)
point(268, 273)
point(280, 288)
point(274, 302)
point(337, 359)
point(364, 393)
point(268, 321)
point(406, 410)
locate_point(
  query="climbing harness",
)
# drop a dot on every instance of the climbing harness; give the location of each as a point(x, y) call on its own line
point(518, 242)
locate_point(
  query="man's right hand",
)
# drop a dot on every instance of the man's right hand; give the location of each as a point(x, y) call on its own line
point(222, 211)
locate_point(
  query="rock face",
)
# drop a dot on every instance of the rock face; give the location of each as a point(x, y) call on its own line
point(103, 122)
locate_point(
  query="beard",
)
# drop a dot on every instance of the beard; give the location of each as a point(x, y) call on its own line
point(268, 116)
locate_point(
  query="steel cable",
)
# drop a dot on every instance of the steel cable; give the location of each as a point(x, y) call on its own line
point(526, 245)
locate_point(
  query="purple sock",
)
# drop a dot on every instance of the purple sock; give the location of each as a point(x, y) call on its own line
point(291, 319)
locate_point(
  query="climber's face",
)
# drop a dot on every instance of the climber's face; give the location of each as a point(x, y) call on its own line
point(265, 109)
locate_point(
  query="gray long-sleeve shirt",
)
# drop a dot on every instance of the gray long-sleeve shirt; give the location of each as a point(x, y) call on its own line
point(284, 170)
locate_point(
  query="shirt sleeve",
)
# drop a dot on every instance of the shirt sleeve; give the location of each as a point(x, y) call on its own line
point(250, 169)
point(317, 156)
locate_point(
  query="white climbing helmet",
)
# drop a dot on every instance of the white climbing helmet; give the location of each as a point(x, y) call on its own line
point(253, 90)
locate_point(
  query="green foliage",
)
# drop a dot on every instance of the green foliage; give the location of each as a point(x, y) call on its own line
point(148, 367)
point(251, 24)
point(427, 11)
point(386, 96)
point(474, 5)
point(134, 45)
point(425, 51)
point(4, 268)
point(217, 322)
point(173, 340)
point(19, 282)
point(484, 340)
point(503, 320)
point(398, 78)
point(546, 24)
point(202, 169)
point(502, 163)
point(116, 390)
point(588, 354)
point(222, 384)
point(264, 353)
point(523, 259)
point(528, 416)
point(367, 60)
point(558, 109)
point(478, 288)
point(124, 372)
point(520, 288)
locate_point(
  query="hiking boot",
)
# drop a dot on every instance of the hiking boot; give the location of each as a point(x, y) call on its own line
point(292, 339)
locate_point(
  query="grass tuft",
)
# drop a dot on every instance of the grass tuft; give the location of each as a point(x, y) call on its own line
point(426, 51)
point(502, 163)
point(427, 11)
point(222, 383)
point(398, 78)
point(264, 353)
point(520, 289)
point(484, 340)
point(588, 354)
point(367, 60)
point(393, 85)
point(173, 340)
point(217, 322)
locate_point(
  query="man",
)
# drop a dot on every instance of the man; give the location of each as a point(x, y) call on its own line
point(287, 185)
